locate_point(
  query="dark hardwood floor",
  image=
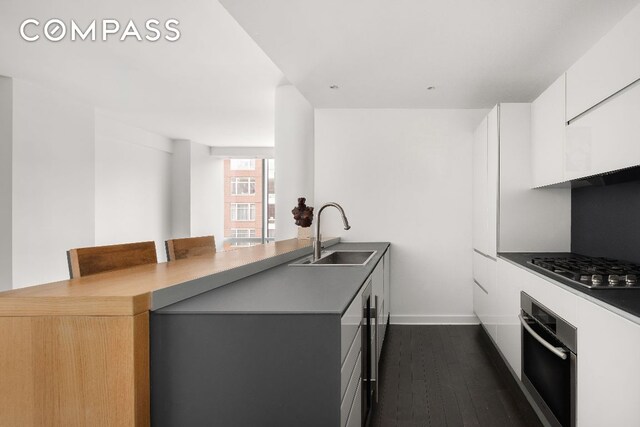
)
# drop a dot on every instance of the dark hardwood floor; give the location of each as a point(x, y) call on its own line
point(447, 376)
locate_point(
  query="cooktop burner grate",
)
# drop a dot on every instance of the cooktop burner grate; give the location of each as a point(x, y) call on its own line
point(594, 273)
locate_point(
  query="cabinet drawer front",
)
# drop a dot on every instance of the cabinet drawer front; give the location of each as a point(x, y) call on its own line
point(479, 268)
point(350, 362)
point(355, 415)
point(350, 323)
point(350, 395)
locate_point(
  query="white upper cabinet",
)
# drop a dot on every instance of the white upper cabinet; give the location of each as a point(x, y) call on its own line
point(509, 216)
point(609, 66)
point(547, 135)
point(485, 185)
point(606, 138)
point(480, 194)
point(493, 156)
point(530, 220)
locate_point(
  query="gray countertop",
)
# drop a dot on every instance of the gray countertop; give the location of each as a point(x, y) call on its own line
point(286, 289)
point(624, 302)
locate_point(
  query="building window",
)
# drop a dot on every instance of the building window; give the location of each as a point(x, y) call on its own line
point(243, 186)
point(242, 164)
point(243, 212)
point(243, 233)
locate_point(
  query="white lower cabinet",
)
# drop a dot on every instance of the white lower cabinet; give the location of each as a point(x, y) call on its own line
point(484, 277)
point(608, 368)
point(511, 281)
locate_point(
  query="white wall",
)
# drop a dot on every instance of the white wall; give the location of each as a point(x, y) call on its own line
point(53, 182)
point(132, 185)
point(404, 176)
point(294, 135)
point(72, 177)
point(6, 142)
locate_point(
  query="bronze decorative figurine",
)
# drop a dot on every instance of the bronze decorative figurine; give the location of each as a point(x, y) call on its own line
point(303, 214)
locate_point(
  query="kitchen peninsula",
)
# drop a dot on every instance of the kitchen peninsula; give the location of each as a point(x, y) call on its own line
point(76, 352)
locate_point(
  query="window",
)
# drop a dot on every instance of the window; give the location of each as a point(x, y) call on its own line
point(243, 186)
point(249, 202)
point(243, 233)
point(242, 164)
point(243, 212)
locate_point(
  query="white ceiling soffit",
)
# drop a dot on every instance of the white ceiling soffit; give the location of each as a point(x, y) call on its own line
point(385, 54)
point(214, 85)
point(242, 152)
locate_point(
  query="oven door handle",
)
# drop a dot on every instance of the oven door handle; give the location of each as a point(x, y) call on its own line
point(558, 351)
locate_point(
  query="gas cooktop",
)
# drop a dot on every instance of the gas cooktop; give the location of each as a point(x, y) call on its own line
point(590, 272)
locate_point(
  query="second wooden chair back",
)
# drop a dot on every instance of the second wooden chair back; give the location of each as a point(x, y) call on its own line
point(190, 247)
point(98, 259)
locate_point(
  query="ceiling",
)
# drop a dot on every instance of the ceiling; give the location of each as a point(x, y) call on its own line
point(385, 54)
point(214, 85)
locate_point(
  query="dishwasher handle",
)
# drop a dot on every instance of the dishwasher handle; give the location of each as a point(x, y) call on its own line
point(558, 351)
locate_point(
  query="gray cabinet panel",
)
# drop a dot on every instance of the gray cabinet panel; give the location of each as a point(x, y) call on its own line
point(245, 370)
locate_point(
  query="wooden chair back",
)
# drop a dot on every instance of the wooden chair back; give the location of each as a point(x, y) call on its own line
point(190, 247)
point(97, 259)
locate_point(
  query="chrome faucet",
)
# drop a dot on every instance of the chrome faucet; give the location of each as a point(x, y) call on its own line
point(317, 244)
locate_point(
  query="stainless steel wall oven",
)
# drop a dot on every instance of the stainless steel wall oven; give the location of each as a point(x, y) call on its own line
point(549, 361)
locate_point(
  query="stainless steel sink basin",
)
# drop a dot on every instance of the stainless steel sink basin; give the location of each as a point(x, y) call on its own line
point(344, 258)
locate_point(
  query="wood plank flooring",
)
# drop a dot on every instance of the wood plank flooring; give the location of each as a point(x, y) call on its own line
point(447, 376)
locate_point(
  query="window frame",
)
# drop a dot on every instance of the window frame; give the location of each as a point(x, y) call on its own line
point(249, 181)
point(251, 208)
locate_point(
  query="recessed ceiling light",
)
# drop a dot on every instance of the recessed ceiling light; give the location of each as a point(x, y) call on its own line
point(431, 88)
point(334, 87)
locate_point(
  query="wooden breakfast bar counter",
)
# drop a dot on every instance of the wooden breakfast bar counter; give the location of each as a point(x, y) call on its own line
point(76, 352)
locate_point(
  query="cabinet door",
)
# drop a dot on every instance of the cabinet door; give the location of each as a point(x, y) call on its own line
point(608, 370)
point(480, 232)
point(484, 274)
point(547, 135)
point(493, 156)
point(510, 281)
point(610, 65)
point(491, 305)
point(606, 138)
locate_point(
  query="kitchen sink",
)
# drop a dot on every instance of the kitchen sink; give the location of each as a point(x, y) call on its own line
point(344, 258)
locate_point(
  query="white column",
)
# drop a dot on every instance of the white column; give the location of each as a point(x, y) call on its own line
point(197, 192)
point(181, 189)
point(6, 155)
point(207, 193)
point(294, 154)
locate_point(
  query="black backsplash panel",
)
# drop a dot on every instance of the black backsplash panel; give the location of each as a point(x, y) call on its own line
point(605, 221)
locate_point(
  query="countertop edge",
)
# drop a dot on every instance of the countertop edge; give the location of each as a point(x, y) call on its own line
point(597, 301)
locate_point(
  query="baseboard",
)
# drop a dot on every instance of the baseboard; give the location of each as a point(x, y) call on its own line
point(464, 319)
